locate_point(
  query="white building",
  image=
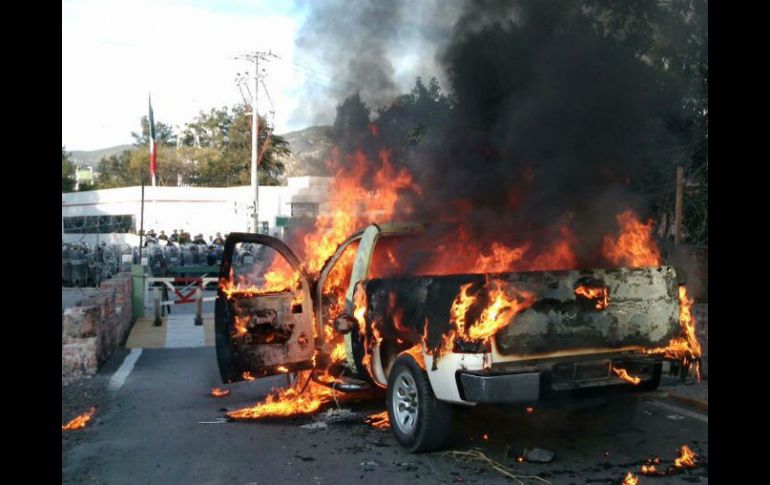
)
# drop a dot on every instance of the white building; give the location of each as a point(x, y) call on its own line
point(115, 215)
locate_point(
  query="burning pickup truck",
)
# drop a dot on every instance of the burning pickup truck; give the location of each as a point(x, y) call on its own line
point(436, 341)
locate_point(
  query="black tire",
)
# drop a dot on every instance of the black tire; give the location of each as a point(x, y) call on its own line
point(430, 427)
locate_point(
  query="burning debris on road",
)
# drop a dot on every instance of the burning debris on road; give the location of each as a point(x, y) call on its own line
point(630, 479)
point(217, 392)
point(80, 421)
point(685, 460)
point(379, 420)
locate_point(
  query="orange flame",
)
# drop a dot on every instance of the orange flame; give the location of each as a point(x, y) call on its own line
point(79, 421)
point(685, 347)
point(379, 420)
point(355, 202)
point(359, 310)
point(416, 353)
point(499, 312)
point(286, 402)
point(460, 306)
point(599, 295)
point(247, 376)
point(279, 277)
point(339, 354)
point(503, 306)
point(217, 392)
point(635, 247)
point(686, 458)
point(624, 375)
point(630, 479)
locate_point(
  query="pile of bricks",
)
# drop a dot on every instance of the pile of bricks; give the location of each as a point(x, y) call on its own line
point(94, 328)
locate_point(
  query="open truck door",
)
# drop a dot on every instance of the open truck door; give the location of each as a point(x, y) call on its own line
point(264, 311)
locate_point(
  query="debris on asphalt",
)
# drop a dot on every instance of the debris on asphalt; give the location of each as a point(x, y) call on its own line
point(538, 455)
point(406, 466)
point(685, 460)
point(479, 456)
point(369, 465)
point(216, 421)
point(217, 392)
point(315, 425)
point(305, 458)
point(675, 417)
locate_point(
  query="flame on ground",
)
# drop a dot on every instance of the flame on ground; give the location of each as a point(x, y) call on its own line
point(217, 392)
point(624, 375)
point(247, 376)
point(80, 421)
point(630, 479)
point(686, 459)
point(287, 402)
point(635, 247)
point(379, 420)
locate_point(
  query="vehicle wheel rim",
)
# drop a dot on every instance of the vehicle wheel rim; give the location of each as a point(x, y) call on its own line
point(405, 403)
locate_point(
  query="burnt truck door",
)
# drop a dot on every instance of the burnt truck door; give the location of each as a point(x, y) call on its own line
point(263, 311)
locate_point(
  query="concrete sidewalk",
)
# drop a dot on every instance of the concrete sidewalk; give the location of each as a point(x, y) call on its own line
point(691, 392)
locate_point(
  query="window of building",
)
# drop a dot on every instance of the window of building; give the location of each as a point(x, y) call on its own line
point(304, 209)
point(99, 224)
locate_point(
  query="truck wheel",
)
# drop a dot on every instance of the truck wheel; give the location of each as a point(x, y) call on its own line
point(419, 421)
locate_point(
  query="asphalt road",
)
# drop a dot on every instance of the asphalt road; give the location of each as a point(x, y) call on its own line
point(161, 426)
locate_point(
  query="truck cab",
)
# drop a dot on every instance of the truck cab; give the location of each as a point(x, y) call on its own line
point(394, 331)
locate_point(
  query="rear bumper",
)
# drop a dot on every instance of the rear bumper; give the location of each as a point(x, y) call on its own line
point(510, 388)
point(554, 383)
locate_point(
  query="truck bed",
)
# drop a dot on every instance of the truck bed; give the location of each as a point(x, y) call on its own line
point(641, 310)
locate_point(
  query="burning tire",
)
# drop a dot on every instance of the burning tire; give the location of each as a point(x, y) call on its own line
point(419, 421)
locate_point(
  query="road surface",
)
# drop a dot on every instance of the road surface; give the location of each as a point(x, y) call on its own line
point(156, 423)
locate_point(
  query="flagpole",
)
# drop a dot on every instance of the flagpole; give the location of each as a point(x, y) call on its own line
point(141, 224)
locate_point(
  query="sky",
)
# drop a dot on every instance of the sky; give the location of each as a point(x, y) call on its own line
point(114, 53)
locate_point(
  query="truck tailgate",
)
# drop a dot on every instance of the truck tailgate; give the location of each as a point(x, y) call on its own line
point(641, 309)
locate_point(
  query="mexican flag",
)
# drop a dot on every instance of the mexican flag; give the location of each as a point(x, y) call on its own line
point(153, 147)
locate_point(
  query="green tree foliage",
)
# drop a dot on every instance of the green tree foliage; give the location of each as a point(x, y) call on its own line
point(415, 119)
point(113, 171)
point(164, 134)
point(67, 172)
point(219, 145)
point(351, 125)
point(672, 37)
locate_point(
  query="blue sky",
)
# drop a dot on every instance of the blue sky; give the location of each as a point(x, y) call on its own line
point(115, 52)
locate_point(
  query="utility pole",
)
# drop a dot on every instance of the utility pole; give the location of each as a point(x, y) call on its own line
point(678, 205)
point(243, 82)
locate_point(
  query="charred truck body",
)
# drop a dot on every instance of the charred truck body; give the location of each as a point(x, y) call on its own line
point(433, 342)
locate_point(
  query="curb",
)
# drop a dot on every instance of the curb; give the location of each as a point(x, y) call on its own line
point(701, 404)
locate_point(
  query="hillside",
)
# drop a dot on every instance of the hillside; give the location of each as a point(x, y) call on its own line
point(91, 158)
point(310, 148)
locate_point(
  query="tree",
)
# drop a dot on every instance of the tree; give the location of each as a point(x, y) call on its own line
point(416, 118)
point(351, 125)
point(219, 144)
point(164, 134)
point(67, 172)
point(113, 171)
